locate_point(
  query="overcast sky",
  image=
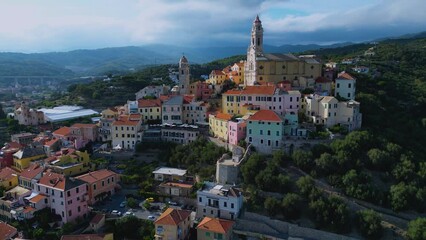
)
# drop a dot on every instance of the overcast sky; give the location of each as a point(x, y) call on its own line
point(52, 25)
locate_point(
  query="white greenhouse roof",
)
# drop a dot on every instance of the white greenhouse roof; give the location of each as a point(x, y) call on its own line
point(170, 171)
point(63, 113)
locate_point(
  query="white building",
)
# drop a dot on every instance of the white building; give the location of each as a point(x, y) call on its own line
point(152, 91)
point(328, 111)
point(194, 111)
point(182, 134)
point(345, 86)
point(172, 112)
point(219, 201)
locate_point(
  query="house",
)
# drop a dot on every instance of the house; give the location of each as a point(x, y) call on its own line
point(152, 91)
point(173, 224)
point(102, 184)
point(109, 115)
point(236, 131)
point(23, 138)
point(218, 125)
point(150, 109)
point(182, 134)
point(265, 131)
point(126, 131)
point(323, 86)
point(8, 178)
point(219, 201)
point(169, 174)
point(178, 189)
point(97, 222)
point(69, 162)
point(214, 228)
point(193, 111)
point(328, 111)
point(7, 231)
point(12, 204)
point(81, 134)
point(201, 90)
point(62, 133)
point(67, 197)
point(172, 110)
point(52, 146)
point(345, 86)
point(6, 153)
point(216, 77)
point(263, 97)
point(99, 236)
point(23, 157)
point(29, 176)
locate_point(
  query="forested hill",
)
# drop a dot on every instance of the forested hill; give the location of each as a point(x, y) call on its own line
point(393, 102)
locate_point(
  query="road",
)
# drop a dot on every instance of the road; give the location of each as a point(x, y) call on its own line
point(390, 218)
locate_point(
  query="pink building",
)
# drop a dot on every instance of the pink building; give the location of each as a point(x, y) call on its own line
point(102, 184)
point(82, 134)
point(236, 131)
point(66, 196)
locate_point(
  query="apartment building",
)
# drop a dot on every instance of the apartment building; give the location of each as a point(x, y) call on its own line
point(126, 131)
point(102, 184)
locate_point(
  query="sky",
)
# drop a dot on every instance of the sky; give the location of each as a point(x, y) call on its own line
point(52, 25)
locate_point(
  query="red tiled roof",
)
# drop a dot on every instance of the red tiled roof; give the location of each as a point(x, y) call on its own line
point(215, 225)
point(7, 173)
point(55, 180)
point(95, 176)
point(97, 218)
point(13, 145)
point(217, 72)
point(265, 115)
point(346, 76)
point(253, 90)
point(164, 98)
point(31, 171)
point(63, 131)
point(37, 198)
point(7, 231)
point(188, 98)
point(223, 116)
point(125, 120)
point(143, 103)
point(322, 80)
point(51, 142)
point(173, 217)
point(84, 125)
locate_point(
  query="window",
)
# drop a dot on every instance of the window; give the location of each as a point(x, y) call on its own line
point(269, 132)
point(94, 186)
point(250, 139)
point(62, 194)
point(77, 190)
point(261, 132)
point(200, 199)
point(45, 200)
point(69, 194)
point(70, 213)
point(338, 85)
point(79, 209)
point(278, 133)
point(349, 95)
point(232, 205)
point(349, 85)
point(225, 204)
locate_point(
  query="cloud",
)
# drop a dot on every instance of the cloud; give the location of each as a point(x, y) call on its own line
point(48, 25)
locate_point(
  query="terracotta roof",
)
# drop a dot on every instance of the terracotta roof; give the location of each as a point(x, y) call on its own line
point(253, 90)
point(51, 142)
point(173, 216)
point(7, 231)
point(217, 72)
point(173, 184)
point(29, 209)
point(99, 236)
point(265, 115)
point(143, 103)
point(223, 116)
point(346, 76)
point(164, 97)
point(215, 225)
point(7, 173)
point(63, 131)
point(55, 180)
point(31, 171)
point(37, 198)
point(97, 218)
point(84, 125)
point(187, 98)
point(95, 176)
point(125, 120)
point(322, 80)
point(13, 145)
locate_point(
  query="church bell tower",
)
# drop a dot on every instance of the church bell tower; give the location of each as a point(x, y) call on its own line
point(183, 76)
point(255, 49)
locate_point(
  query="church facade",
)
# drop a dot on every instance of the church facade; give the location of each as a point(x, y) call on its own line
point(261, 68)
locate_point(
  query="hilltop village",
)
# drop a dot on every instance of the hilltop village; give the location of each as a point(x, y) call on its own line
point(277, 103)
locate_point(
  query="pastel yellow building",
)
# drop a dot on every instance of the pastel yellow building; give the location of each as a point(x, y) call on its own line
point(70, 162)
point(173, 224)
point(8, 178)
point(217, 77)
point(23, 157)
point(275, 67)
point(237, 73)
point(150, 109)
point(218, 125)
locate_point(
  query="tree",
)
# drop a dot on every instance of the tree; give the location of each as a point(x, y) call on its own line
point(251, 168)
point(38, 233)
point(132, 203)
point(369, 223)
point(325, 163)
point(401, 195)
point(417, 229)
point(305, 184)
point(272, 205)
point(127, 227)
point(405, 170)
point(379, 159)
point(2, 113)
point(291, 206)
point(303, 159)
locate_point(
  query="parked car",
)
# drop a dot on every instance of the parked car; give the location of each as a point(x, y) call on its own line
point(116, 212)
point(150, 200)
point(128, 214)
point(123, 204)
point(172, 203)
point(150, 217)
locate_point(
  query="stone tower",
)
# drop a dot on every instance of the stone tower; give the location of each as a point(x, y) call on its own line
point(255, 49)
point(183, 76)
